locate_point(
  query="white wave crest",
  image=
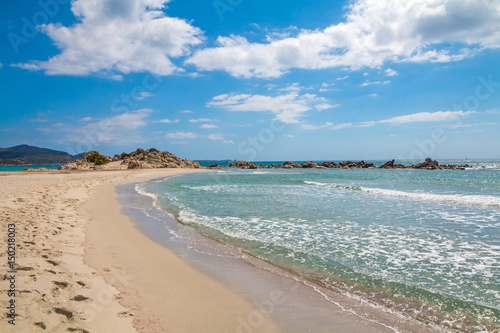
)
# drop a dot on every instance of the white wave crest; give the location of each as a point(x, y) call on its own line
point(459, 199)
point(139, 188)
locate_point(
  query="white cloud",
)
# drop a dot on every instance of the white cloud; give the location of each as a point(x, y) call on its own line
point(202, 120)
point(371, 83)
point(391, 72)
point(208, 126)
point(119, 130)
point(373, 95)
point(118, 36)
point(182, 135)
point(288, 136)
point(167, 121)
point(470, 125)
point(340, 126)
point(219, 137)
point(342, 78)
point(373, 33)
point(186, 111)
point(327, 125)
point(288, 108)
point(41, 118)
point(313, 127)
point(292, 87)
point(420, 117)
point(116, 77)
point(144, 95)
point(325, 86)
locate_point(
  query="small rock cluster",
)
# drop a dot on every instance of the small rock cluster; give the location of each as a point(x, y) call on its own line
point(84, 163)
point(428, 164)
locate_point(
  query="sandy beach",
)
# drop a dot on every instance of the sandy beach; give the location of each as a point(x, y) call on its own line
point(83, 267)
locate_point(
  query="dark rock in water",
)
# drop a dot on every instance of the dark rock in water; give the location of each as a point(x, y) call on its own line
point(308, 165)
point(427, 164)
point(387, 165)
point(329, 165)
point(214, 166)
point(241, 164)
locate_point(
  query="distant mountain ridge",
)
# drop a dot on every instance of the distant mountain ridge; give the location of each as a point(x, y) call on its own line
point(25, 154)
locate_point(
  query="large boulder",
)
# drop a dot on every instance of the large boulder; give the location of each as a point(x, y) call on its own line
point(134, 165)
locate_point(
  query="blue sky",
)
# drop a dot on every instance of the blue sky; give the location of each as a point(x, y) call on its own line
point(253, 80)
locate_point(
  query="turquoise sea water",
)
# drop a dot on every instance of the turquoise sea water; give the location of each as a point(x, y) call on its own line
point(22, 167)
point(422, 243)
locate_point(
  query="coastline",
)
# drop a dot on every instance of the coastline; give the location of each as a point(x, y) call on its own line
point(84, 265)
point(163, 291)
point(302, 305)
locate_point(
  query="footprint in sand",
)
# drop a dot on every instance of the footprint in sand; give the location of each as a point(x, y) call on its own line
point(60, 284)
point(40, 324)
point(62, 311)
point(77, 330)
point(80, 298)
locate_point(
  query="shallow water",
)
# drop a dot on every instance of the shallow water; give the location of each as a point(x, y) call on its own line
point(424, 243)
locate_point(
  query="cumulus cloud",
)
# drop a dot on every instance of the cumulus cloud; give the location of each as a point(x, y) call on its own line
point(118, 36)
point(373, 33)
point(288, 108)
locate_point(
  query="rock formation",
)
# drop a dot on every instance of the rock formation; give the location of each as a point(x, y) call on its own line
point(139, 159)
point(87, 162)
point(428, 164)
point(153, 159)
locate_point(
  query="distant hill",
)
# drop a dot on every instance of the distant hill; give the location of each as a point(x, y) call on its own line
point(24, 154)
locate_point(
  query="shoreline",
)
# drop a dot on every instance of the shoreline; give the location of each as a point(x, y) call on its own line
point(324, 308)
point(86, 266)
point(77, 271)
point(164, 292)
